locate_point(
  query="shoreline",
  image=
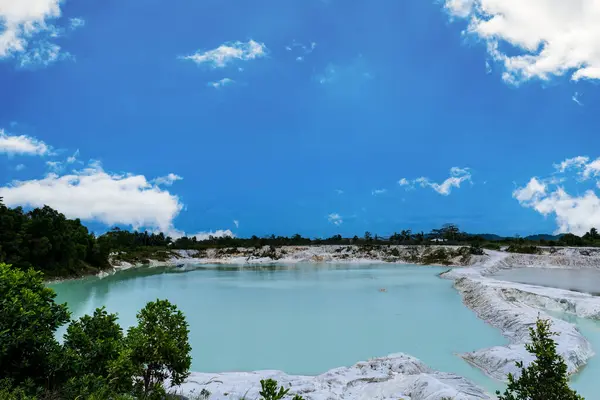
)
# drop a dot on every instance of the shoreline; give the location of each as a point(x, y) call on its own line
point(510, 307)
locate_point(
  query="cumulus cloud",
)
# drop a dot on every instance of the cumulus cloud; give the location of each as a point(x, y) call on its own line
point(457, 177)
point(335, 219)
point(22, 145)
point(551, 37)
point(221, 83)
point(377, 192)
point(229, 52)
point(167, 180)
point(574, 214)
point(533, 190)
point(95, 195)
point(25, 27)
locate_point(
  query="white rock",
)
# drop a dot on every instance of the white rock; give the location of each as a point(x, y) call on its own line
point(397, 376)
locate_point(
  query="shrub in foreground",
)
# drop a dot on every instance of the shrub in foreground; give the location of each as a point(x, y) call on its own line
point(96, 361)
point(545, 378)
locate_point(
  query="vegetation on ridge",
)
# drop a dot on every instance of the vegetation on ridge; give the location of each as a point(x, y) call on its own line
point(46, 240)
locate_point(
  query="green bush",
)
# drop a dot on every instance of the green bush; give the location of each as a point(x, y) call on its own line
point(546, 377)
point(96, 361)
point(269, 391)
point(523, 249)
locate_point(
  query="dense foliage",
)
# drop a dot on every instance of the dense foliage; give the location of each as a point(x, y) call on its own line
point(546, 377)
point(96, 361)
point(45, 239)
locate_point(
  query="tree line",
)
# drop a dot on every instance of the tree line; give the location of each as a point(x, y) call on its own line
point(45, 239)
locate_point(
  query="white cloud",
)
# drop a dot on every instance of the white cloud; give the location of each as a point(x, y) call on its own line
point(166, 180)
point(585, 168)
point(339, 191)
point(25, 27)
point(552, 37)
point(20, 167)
point(575, 98)
point(72, 159)
point(488, 67)
point(228, 52)
point(533, 190)
point(236, 223)
point(221, 83)
point(95, 195)
point(457, 177)
point(377, 192)
point(77, 23)
point(575, 162)
point(335, 219)
point(54, 166)
point(575, 214)
point(44, 54)
point(22, 145)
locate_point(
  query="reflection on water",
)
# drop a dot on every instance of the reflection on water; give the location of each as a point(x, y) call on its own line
point(578, 280)
point(302, 319)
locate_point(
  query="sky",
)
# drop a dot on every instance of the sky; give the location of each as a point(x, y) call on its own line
point(317, 117)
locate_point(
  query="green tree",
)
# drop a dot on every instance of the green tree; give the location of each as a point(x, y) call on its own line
point(270, 391)
point(546, 377)
point(156, 349)
point(29, 318)
point(92, 343)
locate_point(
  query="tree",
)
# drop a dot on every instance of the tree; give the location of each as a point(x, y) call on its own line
point(546, 377)
point(156, 349)
point(29, 318)
point(268, 391)
point(570, 239)
point(368, 236)
point(92, 343)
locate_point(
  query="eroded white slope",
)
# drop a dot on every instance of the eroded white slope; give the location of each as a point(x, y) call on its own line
point(397, 376)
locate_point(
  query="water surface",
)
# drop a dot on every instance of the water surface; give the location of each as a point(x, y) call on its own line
point(578, 280)
point(302, 319)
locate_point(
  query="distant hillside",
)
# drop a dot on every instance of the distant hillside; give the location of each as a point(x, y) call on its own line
point(489, 236)
point(543, 236)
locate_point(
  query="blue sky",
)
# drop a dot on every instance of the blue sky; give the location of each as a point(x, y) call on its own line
point(302, 116)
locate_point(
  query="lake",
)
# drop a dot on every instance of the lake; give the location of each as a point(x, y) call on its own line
point(578, 280)
point(302, 319)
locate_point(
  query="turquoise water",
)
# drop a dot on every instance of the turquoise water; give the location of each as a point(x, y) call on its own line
point(586, 381)
point(302, 319)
